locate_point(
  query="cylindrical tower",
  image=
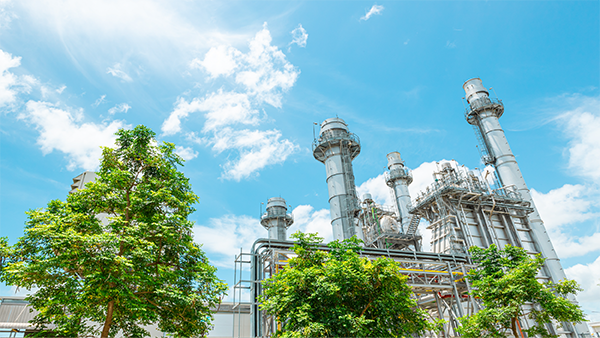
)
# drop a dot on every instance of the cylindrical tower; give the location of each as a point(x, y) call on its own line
point(483, 113)
point(336, 147)
point(398, 178)
point(276, 220)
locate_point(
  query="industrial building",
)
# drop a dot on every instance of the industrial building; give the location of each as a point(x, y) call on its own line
point(462, 208)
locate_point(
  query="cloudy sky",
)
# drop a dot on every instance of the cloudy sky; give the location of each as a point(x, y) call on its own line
point(238, 85)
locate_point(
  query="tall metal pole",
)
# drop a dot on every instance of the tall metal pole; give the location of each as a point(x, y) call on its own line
point(483, 113)
point(336, 147)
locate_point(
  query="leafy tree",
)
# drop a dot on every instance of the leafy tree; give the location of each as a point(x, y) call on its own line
point(340, 294)
point(504, 282)
point(139, 267)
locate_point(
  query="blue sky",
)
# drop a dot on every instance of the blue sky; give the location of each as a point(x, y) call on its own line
point(237, 85)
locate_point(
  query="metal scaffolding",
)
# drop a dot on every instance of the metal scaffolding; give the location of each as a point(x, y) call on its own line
point(437, 281)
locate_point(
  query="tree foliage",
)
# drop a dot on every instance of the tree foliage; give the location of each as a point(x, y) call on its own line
point(504, 282)
point(139, 267)
point(340, 294)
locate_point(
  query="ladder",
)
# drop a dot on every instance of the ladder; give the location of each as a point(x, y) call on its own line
point(486, 156)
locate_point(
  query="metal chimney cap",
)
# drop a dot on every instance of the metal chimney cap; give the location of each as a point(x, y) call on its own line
point(394, 158)
point(334, 123)
point(367, 197)
point(472, 87)
point(276, 202)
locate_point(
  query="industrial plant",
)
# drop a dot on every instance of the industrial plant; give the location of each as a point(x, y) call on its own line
point(462, 208)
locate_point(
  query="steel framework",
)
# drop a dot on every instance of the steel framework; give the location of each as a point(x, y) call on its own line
point(436, 279)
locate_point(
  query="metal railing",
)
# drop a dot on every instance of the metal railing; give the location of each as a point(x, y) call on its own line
point(276, 215)
point(477, 105)
point(398, 173)
point(462, 181)
point(335, 138)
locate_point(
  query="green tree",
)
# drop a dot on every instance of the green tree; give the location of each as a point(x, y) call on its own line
point(340, 294)
point(139, 267)
point(504, 282)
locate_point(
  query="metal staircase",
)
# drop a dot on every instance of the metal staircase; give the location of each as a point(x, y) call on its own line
point(414, 224)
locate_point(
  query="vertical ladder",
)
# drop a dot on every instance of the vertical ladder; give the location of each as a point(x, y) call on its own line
point(484, 150)
point(350, 204)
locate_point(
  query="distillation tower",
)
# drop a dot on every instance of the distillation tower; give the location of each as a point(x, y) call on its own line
point(276, 219)
point(336, 147)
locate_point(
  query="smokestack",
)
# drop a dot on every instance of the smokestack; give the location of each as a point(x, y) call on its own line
point(484, 113)
point(336, 147)
point(398, 178)
point(276, 219)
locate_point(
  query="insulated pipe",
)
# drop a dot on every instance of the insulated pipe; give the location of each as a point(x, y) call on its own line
point(336, 147)
point(276, 220)
point(398, 178)
point(484, 114)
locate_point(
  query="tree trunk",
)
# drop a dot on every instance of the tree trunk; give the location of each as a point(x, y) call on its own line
point(513, 326)
point(109, 315)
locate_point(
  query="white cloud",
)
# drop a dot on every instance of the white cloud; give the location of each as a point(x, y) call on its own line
point(579, 204)
point(221, 109)
point(261, 76)
point(66, 132)
point(8, 80)
point(450, 44)
point(223, 237)
point(160, 35)
point(582, 125)
point(267, 74)
point(563, 206)
point(378, 189)
point(227, 108)
point(221, 60)
point(6, 16)
point(172, 125)
point(186, 153)
point(116, 71)
point(425, 235)
point(256, 148)
point(99, 101)
point(263, 73)
point(299, 36)
point(309, 220)
point(588, 277)
point(61, 89)
point(375, 10)
point(119, 108)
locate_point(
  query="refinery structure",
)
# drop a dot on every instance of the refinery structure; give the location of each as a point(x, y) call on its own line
point(462, 208)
